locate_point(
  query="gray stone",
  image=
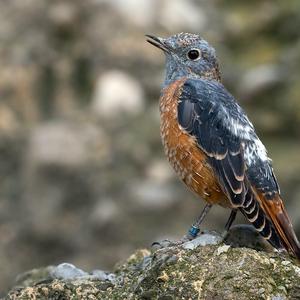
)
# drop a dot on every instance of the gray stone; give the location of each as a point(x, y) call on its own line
point(67, 271)
point(66, 144)
point(144, 10)
point(152, 194)
point(203, 240)
point(175, 15)
point(117, 93)
point(260, 78)
point(102, 275)
point(105, 212)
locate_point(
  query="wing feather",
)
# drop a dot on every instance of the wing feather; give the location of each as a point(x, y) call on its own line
point(201, 115)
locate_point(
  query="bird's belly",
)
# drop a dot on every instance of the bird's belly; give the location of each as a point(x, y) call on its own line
point(187, 159)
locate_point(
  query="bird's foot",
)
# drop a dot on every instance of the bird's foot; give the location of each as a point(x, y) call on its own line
point(190, 242)
point(168, 243)
point(191, 235)
point(224, 235)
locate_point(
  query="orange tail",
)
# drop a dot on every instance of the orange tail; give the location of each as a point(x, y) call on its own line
point(276, 212)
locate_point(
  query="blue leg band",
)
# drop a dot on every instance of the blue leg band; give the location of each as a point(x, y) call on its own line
point(194, 231)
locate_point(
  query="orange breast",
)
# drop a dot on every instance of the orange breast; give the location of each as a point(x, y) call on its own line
point(187, 159)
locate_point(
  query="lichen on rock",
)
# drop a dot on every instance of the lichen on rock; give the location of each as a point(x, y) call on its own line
point(172, 271)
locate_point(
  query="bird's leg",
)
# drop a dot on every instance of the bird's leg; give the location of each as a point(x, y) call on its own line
point(195, 228)
point(192, 233)
point(229, 221)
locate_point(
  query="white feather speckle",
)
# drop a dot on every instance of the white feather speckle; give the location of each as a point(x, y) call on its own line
point(253, 147)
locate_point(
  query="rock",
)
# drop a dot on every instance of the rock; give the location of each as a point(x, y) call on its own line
point(222, 249)
point(31, 277)
point(117, 93)
point(259, 79)
point(144, 10)
point(242, 235)
point(175, 15)
point(63, 14)
point(67, 271)
point(67, 144)
point(204, 272)
point(104, 276)
point(203, 240)
point(160, 171)
point(105, 212)
point(152, 195)
point(8, 122)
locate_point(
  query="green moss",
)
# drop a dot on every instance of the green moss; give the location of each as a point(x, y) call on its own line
point(175, 273)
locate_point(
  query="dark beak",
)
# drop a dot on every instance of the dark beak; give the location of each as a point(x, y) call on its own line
point(158, 42)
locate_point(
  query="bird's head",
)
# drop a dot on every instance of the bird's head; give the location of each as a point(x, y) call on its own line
point(187, 55)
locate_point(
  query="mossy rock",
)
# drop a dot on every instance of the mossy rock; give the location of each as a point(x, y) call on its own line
point(174, 271)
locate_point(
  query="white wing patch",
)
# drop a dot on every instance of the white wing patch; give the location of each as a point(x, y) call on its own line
point(240, 130)
point(253, 147)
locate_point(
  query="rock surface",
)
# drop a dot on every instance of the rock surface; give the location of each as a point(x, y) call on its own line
point(209, 271)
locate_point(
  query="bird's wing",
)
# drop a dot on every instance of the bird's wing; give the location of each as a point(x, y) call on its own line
point(239, 159)
point(206, 110)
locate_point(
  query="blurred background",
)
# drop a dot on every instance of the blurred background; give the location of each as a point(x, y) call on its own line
point(83, 177)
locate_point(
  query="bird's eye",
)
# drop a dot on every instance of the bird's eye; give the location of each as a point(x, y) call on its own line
point(193, 54)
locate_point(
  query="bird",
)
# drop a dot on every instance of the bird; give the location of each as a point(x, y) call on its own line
point(212, 145)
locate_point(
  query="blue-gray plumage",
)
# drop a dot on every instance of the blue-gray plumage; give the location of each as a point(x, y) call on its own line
point(208, 112)
point(210, 141)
